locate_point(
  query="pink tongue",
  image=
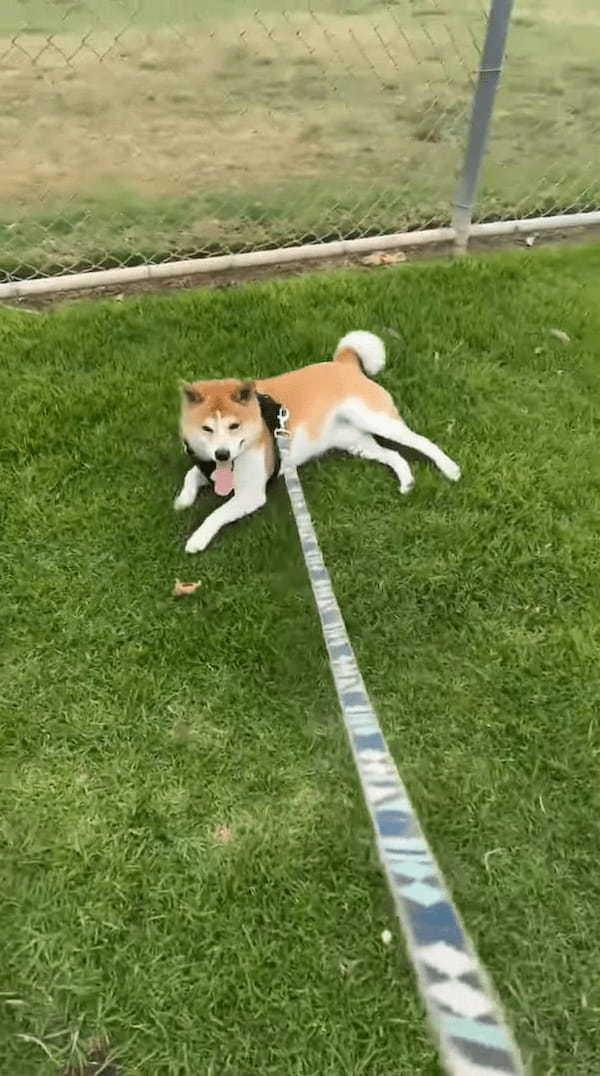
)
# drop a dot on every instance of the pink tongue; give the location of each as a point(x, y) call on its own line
point(223, 479)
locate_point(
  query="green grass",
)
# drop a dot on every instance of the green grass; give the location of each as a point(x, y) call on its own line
point(135, 725)
point(178, 132)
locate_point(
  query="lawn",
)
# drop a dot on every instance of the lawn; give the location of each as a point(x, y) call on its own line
point(127, 136)
point(188, 878)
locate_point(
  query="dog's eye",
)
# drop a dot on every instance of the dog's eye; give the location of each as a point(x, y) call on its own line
point(234, 426)
point(207, 429)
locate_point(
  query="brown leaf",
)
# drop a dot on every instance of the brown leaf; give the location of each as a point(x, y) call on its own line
point(382, 257)
point(180, 589)
point(224, 834)
point(558, 334)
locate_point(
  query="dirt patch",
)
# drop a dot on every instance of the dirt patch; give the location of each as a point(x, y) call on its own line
point(226, 138)
point(99, 1062)
point(165, 112)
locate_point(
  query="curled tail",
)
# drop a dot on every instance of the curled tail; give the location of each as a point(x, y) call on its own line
point(363, 348)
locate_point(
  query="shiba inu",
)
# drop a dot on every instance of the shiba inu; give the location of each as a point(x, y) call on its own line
point(227, 428)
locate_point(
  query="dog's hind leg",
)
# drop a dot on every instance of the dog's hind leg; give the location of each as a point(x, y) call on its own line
point(393, 429)
point(361, 444)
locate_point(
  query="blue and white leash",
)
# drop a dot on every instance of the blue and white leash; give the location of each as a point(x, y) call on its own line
point(473, 1037)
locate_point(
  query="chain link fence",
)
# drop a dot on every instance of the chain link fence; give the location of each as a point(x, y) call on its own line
point(544, 153)
point(144, 132)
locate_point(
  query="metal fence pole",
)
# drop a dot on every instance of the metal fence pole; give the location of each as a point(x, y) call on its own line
point(481, 115)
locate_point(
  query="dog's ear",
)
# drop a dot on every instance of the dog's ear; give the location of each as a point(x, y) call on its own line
point(244, 394)
point(190, 393)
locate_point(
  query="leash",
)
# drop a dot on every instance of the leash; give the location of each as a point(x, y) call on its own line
point(473, 1037)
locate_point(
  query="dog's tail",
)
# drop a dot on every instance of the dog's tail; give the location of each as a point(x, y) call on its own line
point(364, 349)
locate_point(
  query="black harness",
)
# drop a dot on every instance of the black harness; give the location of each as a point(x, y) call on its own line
point(269, 409)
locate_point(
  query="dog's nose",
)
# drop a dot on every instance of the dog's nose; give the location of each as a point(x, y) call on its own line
point(222, 454)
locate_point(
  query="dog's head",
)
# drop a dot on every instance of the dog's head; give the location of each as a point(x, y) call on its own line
point(219, 419)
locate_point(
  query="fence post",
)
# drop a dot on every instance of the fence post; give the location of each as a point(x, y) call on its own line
point(481, 115)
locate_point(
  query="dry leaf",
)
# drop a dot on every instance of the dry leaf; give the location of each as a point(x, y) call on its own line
point(381, 257)
point(181, 589)
point(224, 834)
point(558, 334)
point(538, 351)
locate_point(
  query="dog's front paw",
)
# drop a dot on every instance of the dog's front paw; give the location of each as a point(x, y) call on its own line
point(185, 499)
point(197, 542)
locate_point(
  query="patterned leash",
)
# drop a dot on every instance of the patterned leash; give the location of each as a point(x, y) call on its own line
point(473, 1037)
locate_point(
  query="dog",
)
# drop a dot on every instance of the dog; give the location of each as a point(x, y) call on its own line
point(227, 428)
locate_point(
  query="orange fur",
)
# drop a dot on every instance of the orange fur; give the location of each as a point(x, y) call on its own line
point(209, 402)
point(203, 400)
point(312, 393)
